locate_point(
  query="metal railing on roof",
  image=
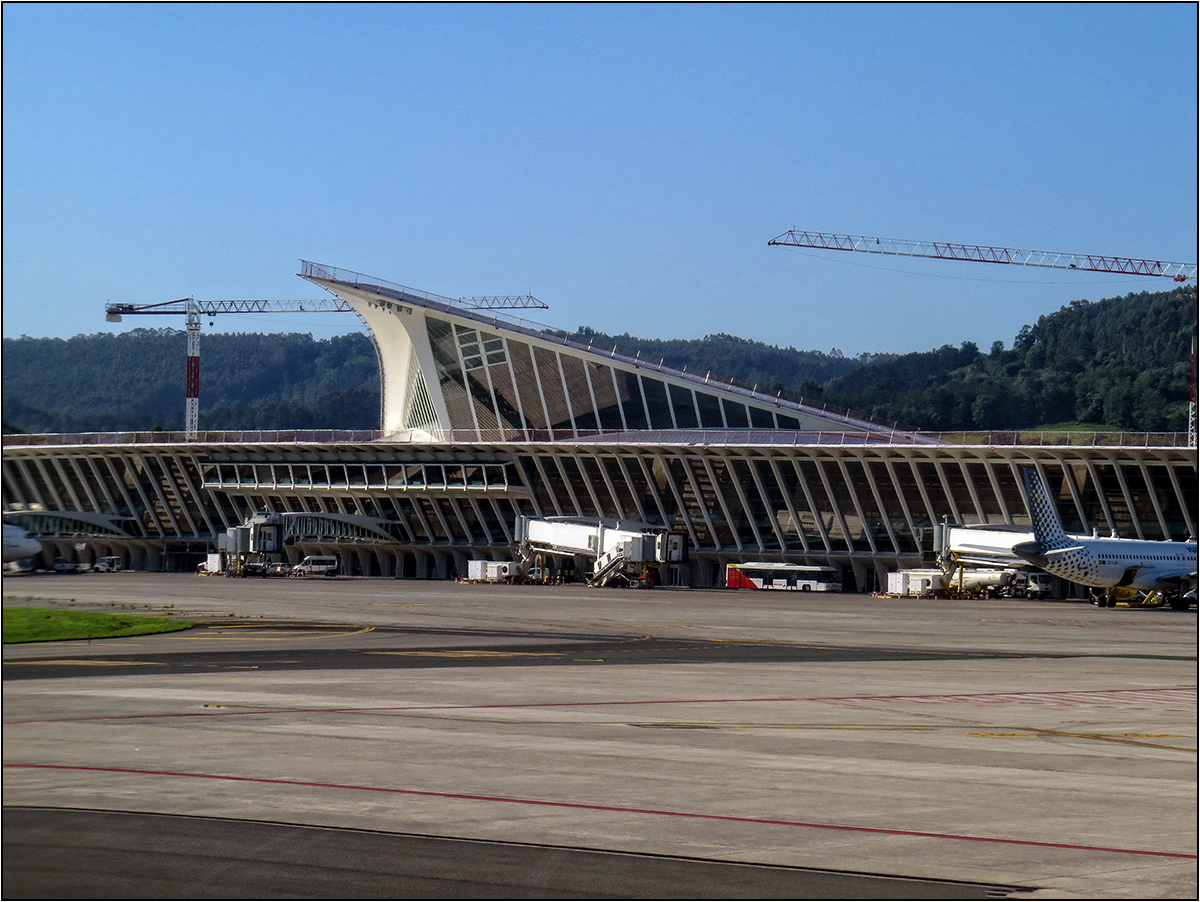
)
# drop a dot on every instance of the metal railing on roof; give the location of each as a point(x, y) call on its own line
point(273, 436)
point(640, 437)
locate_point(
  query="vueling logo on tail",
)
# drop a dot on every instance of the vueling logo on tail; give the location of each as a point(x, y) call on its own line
point(1047, 528)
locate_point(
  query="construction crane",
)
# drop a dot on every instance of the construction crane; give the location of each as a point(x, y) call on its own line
point(194, 310)
point(980, 253)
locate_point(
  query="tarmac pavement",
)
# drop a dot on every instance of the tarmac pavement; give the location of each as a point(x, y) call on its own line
point(1035, 749)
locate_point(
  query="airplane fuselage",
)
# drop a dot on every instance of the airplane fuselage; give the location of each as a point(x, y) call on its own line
point(1112, 563)
point(19, 544)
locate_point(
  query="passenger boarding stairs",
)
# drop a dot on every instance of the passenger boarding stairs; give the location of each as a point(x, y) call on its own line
point(615, 562)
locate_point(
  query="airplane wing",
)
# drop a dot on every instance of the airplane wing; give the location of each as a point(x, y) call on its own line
point(1175, 575)
point(1057, 551)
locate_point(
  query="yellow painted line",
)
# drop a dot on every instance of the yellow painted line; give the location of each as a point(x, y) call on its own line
point(264, 636)
point(472, 654)
point(782, 726)
point(85, 661)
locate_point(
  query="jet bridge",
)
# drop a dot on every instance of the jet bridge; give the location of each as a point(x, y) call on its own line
point(620, 549)
point(978, 546)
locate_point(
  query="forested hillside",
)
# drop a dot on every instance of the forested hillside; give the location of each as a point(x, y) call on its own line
point(135, 380)
point(747, 362)
point(1122, 363)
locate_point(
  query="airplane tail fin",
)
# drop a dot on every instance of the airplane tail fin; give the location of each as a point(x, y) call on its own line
point(1047, 528)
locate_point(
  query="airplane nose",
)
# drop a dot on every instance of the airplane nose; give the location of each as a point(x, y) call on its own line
point(1031, 551)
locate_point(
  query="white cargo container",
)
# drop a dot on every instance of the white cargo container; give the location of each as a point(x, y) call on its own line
point(914, 583)
point(490, 571)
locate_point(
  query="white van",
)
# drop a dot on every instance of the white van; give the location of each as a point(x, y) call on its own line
point(317, 564)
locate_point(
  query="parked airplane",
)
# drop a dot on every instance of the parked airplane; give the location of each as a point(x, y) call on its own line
point(18, 544)
point(1108, 564)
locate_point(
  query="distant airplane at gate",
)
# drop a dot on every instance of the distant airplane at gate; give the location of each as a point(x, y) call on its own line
point(1110, 563)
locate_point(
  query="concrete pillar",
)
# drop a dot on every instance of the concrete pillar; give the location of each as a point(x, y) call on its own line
point(424, 564)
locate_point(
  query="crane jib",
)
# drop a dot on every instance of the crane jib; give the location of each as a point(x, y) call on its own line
point(982, 253)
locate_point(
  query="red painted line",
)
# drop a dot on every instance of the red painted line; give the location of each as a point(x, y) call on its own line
point(613, 808)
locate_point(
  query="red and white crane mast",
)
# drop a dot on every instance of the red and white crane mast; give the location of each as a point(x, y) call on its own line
point(194, 310)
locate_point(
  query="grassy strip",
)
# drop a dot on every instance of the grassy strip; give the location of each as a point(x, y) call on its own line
point(46, 625)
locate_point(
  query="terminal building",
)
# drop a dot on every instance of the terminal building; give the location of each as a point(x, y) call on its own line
point(486, 417)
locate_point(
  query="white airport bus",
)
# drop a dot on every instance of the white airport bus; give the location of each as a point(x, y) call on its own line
point(791, 577)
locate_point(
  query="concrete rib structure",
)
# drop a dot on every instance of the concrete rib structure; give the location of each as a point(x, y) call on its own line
point(485, 418)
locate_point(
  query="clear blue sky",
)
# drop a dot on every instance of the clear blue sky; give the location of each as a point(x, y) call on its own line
point(627, 164)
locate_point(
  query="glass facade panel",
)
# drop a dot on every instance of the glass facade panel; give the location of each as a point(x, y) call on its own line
point(824, 507)
point(458, 532)
point(1059, 487)
point(685, 407)
point(927, 474)
point(468, 343)
point(527, 384)
point(552, 389)
point(625, 502)
point(844, 500)
point(977, 473)
point(806, 524)
point(591, 470)
point(735, 414)
point(710, 411)
point(1013, 494)
point(575, 477)
point(449, 373)
point(962, 495)
point(1164, 491)
point(786, 422)
point(661, 482)
point(606, 396)
point(759, 513)
point(640, 487)
point(631, 400)
point(491, 522)
point(777, 510)
point(708, 500)
point(761, 419)
point(1088, 497)
point(873, 518)
point(481, 398)
point(581, 397)
point(551, 489)
point(493, 349)
point(1189, 485)
point(1122, 516)
point(670, 473)
point(505, 396)
point(1143, 506)
point(893, 510)
point(657, 403)
point(475, 527)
